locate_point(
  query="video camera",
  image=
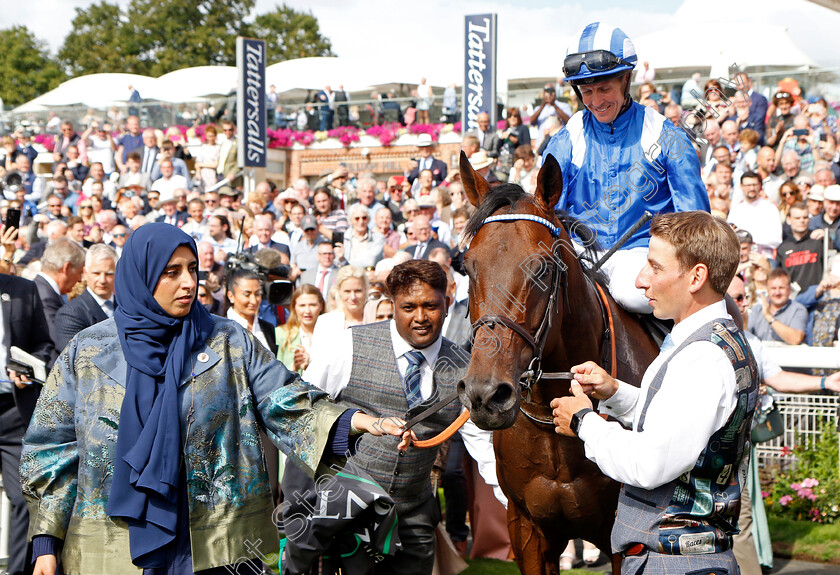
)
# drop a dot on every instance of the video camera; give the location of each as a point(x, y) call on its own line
point(12, 181)
point(277, 292)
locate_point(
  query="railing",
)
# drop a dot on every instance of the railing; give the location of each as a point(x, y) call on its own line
point(517, 93)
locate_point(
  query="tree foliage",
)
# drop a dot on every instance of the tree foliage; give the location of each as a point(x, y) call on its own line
point(98, 42)
point(26, 66)
point(290, 34)
point(153, 37)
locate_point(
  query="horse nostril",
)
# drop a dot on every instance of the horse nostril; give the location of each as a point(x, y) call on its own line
point(502, 395)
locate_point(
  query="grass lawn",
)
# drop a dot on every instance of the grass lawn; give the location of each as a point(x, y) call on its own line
point(804, 540)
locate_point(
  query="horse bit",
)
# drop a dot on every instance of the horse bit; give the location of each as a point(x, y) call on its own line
point(533, 374)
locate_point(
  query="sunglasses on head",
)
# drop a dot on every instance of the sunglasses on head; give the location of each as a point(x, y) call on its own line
point(596, 61)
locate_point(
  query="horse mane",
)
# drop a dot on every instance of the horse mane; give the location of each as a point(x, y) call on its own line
point(509, 195)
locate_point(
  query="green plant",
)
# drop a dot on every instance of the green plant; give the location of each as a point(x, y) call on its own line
point(812, 490)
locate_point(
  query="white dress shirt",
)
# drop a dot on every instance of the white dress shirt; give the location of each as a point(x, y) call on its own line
point(256, 329)
point(697, 396)
point(109, 311)
point(330, 366)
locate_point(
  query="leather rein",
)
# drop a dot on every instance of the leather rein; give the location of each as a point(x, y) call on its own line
point(559, 279)
point(534, 373)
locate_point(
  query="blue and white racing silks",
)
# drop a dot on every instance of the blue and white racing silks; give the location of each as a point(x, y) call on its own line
point(613, 173)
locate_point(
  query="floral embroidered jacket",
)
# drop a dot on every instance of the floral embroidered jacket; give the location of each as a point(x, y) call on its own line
point(235, 387)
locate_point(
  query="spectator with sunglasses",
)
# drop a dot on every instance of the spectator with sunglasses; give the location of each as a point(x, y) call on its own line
point(619, 158)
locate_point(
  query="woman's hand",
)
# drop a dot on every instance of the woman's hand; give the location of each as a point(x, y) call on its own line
point(383, 426)
point(301, 360)
point(45, 565)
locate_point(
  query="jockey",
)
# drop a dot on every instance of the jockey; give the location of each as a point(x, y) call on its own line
point(620, 158)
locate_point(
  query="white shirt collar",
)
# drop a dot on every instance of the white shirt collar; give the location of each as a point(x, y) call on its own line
point(693, 322)
point(401, 347)
point(51, 281)
point(98, 299)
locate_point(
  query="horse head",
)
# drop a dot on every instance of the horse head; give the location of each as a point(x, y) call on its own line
point(517, 258)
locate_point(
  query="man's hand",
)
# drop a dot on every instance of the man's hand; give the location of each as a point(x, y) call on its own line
point(594, 380)
point(565, 407)
point(832, 382)
point(45, 565)
point(20, 381)
point(818, 234)
point(384, 426)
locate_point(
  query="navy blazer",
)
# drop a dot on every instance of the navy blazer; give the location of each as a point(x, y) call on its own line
point(25, 326)
point(50, 301)
point(282, 248)
point(76, 315)
point(439, 172)
point(433, 244)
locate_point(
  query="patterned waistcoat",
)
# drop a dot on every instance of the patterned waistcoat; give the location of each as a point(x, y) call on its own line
point(697, 513)
point(376, 388)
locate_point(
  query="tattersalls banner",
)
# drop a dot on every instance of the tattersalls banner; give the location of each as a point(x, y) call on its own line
point(479, 70)
point(252, 137)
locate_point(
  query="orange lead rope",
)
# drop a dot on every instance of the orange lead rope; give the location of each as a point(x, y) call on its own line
point(465, 415)
point(445, 434)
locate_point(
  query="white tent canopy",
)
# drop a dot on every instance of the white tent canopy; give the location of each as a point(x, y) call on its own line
point(192, 84)
point(94, 91)
point(719, 45)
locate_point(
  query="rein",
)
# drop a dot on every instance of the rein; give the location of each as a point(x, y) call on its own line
point(534, 373)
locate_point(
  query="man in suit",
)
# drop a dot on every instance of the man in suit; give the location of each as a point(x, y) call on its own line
point(169, 209)
point(228, 164)
point(61, 269)
point(425, 242)
point(398, 368)
point(425, 149)
point(24, 326)
point(488, 139)
point(93, 305)
point(758, 103)
point(325, 274)
point(263, 229)
point(149, 152)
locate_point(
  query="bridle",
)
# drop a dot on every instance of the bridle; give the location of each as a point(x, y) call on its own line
point(559, 279)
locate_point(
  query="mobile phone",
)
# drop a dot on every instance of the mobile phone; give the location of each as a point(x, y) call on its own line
point(12, 218)
point(338, 238)
point(802, 132)
point(823, 137)
point(203, 275)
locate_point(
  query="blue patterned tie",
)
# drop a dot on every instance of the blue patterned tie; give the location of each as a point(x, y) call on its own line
point(413, 377)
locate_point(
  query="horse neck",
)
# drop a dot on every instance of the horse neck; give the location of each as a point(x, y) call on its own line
point(577, 336)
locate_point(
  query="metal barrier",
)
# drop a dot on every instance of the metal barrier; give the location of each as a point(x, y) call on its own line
point(803, 417)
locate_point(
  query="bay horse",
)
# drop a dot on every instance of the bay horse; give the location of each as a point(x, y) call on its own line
point(534, 307)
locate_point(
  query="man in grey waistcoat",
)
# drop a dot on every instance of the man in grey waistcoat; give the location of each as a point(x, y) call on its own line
point(399, 368)
point(683, 462)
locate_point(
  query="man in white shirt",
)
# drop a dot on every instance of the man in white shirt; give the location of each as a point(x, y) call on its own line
point(757, 215)
point(401, 367)
point(169, 181)
point(684, 410)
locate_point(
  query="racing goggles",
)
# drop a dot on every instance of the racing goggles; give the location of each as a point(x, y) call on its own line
point(596, 61)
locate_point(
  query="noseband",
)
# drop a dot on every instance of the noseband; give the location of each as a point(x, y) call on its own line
point(559, 278)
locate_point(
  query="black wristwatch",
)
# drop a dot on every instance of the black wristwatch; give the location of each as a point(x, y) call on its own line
point(577, 419)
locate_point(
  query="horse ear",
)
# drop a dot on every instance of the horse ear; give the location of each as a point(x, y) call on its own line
point(474, 183)
point(549, 183)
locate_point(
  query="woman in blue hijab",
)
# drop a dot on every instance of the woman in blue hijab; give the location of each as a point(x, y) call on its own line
point(144, 450)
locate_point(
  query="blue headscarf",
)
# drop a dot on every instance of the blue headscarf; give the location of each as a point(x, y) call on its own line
point(157, 348)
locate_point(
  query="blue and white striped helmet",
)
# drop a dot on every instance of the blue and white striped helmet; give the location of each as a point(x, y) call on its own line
point(599, 51)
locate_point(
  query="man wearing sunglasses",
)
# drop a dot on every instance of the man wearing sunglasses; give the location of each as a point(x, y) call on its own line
point(620, 158)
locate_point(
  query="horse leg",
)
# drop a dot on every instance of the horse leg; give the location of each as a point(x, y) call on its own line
point(531, 550)
point(616, 563)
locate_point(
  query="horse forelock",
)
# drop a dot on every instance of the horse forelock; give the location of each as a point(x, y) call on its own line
point(513, 197)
